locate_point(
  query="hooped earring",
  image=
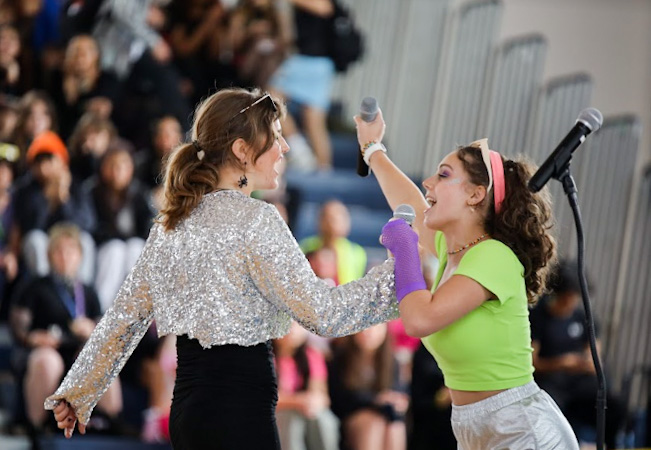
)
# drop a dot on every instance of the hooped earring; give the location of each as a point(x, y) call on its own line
point(243, 179)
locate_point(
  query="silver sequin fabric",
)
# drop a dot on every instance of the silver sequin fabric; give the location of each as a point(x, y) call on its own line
point(230, 273)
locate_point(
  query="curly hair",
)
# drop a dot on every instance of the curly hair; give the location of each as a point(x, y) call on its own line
point(525, 221)
point(186, 177)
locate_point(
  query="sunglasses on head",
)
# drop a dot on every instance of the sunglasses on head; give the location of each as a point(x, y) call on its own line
point(260, 100)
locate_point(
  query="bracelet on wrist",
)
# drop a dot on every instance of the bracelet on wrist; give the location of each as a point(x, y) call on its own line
point(371, 147)
point(367, 145)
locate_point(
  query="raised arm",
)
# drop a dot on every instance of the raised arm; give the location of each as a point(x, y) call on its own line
point(284, 277)
point(397, 187)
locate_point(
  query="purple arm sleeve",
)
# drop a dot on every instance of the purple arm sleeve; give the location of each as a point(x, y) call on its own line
point(402, 241)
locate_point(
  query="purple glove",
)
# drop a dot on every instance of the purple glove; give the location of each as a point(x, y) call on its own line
point(402, 241)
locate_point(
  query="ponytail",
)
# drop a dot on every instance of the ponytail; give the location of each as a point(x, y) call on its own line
point(187, 180)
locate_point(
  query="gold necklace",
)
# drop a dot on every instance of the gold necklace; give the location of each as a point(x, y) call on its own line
point(476, 241)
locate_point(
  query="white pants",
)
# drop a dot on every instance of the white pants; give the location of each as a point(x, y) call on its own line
point(521, 418)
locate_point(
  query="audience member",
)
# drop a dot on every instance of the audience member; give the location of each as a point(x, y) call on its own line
point(198, 38)
point(47, 195)
point(36, 115)
point(8, 120)
point(430, 406)
point(8, 258)
point(133, 49)
point(51, 318)
point(305, 420)
point(332, 242)
point(124, 218)
point(81, 86)
point(158, 376)
point(88, 143)
point(166, 133)
point(562, 358)
point(306, 77)
point(403, 347)
point(11, 83)
point(365, 392)
point(8, 12)
point(259, 37)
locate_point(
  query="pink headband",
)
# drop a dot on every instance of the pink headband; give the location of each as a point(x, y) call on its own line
point(498, 180)
point(495, 168)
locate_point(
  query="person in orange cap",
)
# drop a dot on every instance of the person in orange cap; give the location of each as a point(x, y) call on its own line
point(47, 142)
point(48, 195)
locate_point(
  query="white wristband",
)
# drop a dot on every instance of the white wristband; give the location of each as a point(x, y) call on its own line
point(372, 149)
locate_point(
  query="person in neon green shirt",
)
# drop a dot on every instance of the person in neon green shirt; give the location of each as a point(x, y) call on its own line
point(334, 228)
point(491, 237)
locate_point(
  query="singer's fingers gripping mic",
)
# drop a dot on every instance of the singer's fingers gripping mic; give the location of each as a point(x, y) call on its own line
point(589, 120)
point(367, 112)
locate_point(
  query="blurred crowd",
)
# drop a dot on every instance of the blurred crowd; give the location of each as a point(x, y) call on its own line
point(93, 95)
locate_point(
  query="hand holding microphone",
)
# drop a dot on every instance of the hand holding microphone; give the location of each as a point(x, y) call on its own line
point(401, 240)
point(370, 131)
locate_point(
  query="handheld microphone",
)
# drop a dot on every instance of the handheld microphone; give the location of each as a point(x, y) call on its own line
point(405, 212)
point(589, 120)
point(368, 112)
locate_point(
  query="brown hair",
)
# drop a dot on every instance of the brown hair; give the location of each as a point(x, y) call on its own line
point(525, 220)
point(86, 124)
point(25, 106)
point(353, 371)
point(217, 125)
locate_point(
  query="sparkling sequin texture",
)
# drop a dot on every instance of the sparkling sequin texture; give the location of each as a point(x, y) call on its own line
point(231, 273)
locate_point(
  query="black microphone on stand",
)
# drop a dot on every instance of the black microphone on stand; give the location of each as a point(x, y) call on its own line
point(557, 166)
point(368, 112)
point(589, 120)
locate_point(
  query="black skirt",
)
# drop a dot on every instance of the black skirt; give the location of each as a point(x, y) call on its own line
point(224, 398)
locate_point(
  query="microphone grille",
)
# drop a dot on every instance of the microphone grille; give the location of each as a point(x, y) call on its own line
point(369, 105)
point(591, 118)
point(405, 212)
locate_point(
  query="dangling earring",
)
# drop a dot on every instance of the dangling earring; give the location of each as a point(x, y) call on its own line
point(243, 179)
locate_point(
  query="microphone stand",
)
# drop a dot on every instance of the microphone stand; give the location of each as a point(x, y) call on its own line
point(563, 175)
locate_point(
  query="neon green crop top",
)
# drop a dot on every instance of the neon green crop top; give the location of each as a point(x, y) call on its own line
point(489, 348)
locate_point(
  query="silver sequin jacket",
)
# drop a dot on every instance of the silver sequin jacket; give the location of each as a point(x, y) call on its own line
point(231, 273)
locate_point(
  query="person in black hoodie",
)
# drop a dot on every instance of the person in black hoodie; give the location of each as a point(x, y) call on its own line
point(123, 220)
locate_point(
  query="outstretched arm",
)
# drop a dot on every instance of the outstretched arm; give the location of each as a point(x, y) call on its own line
point(397, 187)
point(107, 350)
point(284, 277)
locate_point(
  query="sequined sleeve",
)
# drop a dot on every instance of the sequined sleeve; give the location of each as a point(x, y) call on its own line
point(284, 277)
point(111, 343)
